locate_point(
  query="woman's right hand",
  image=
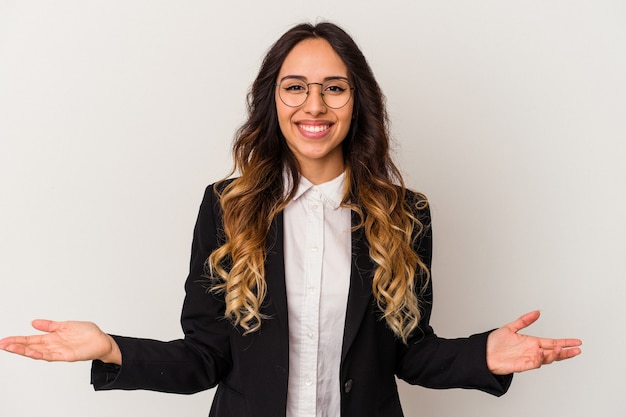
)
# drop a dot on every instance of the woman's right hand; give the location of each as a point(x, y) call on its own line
point(66, 341)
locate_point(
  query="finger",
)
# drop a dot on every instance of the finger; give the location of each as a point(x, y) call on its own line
point(559, 354)
point(559, 343)
point(21, 340)
point(37, 352)
point(32, 351)
point(13, 339)
point(40, 349)
point(524, 321)
point(12, 347)
point(46, 325)
point(39, 324)
point(569, 353)
point(5, 342)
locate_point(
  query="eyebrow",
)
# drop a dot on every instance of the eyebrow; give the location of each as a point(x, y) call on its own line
point(303, 78)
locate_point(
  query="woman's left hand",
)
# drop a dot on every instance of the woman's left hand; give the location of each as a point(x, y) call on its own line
point(508, 351)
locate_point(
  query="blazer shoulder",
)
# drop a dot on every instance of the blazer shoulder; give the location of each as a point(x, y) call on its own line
point(212, 193)
point(419, 205)
point(219, 186)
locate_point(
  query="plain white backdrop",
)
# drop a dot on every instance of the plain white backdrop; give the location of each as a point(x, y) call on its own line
point(509, 115)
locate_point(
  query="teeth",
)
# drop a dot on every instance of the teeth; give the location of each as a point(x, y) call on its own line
point(314, 128)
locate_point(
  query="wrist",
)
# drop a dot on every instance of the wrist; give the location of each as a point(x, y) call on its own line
point(114, 355)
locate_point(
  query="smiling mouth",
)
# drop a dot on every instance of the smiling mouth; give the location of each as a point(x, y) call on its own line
point(314, 128)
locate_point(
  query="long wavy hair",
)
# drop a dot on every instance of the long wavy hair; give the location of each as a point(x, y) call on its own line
point(374, 190)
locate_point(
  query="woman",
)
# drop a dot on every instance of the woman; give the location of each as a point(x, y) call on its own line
point(309, 288)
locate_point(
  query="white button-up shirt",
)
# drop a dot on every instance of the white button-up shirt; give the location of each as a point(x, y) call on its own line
point(317, 240)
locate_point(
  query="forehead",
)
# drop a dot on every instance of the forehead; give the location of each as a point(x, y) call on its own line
point(313, 59)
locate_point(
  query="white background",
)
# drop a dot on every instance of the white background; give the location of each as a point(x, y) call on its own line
point(509, 115)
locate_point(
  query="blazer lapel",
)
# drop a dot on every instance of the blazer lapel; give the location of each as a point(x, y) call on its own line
point(275, 270)
point(360, 292)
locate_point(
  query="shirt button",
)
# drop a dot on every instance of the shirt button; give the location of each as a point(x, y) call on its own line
point(314, 248)
point(310, 335)
point(311, 290)
point(308, 382)
point(347, 387)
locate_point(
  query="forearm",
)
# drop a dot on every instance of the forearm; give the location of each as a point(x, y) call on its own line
point(177, 366)
point(451, 363)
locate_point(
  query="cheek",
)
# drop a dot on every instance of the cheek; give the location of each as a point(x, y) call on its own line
point(346, 119)
point(280, 113)
point(283, 119)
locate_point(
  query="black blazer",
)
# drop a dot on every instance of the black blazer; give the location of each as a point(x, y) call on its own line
point(251, 371)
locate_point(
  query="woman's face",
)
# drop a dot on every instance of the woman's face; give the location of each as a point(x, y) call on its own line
point(313, 130)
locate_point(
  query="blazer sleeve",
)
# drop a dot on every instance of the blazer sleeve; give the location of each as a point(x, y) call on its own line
point(201, 359)
point(435, 362)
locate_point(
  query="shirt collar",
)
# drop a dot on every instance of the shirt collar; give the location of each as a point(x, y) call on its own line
point(330, 191)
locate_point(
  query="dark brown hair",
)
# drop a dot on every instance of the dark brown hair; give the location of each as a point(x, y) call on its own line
point(375, 190)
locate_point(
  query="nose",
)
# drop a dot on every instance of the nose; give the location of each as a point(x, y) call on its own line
point(314, 103)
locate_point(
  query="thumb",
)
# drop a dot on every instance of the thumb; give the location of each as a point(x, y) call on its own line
point(45, 325)
point(524, 321)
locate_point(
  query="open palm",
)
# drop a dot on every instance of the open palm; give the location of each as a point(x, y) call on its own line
point(508, 351)
point(67, 341)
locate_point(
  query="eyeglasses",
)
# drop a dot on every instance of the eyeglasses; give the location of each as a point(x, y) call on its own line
point(335, 93)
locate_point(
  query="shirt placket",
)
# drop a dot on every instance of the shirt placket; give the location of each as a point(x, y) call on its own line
point(311, 305)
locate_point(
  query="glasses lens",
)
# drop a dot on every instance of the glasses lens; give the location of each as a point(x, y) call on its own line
point(293, 92)
point(335, 93)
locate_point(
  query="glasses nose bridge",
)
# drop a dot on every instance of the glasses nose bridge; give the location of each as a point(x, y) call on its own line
point(308, 88)
point(308, 93)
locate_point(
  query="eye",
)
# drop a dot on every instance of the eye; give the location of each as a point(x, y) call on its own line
point(295, 88)
point(336, 88)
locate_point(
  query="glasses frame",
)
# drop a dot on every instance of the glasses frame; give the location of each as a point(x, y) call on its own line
point(308, 90)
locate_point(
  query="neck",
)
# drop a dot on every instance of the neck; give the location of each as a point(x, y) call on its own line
point(318, 174)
